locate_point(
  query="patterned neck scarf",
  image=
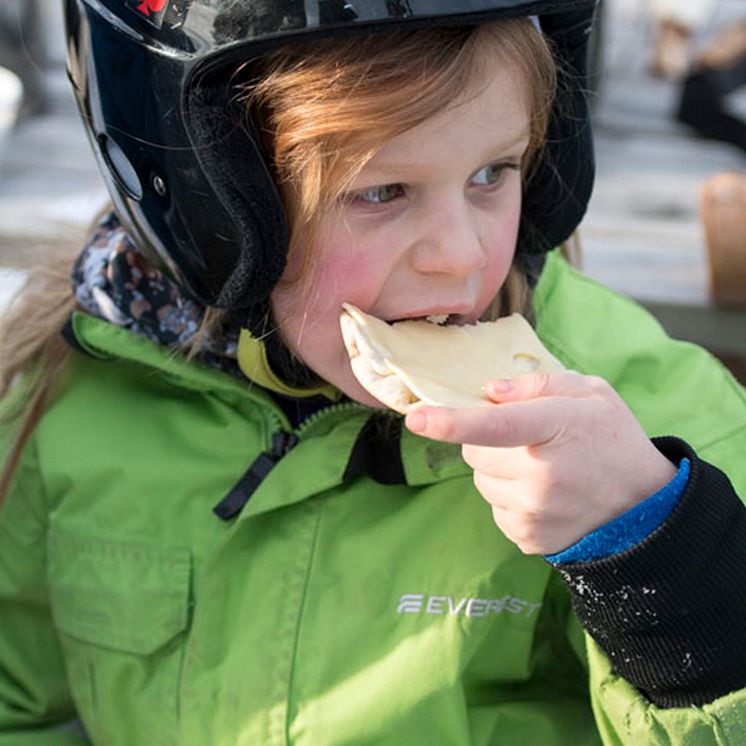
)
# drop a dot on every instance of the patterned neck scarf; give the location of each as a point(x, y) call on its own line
point(113, 281)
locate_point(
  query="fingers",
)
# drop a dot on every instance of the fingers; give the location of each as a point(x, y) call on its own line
point(536, 385)
point(533, 409)
point(531, 537)
point(508, 463)
point(506, 426)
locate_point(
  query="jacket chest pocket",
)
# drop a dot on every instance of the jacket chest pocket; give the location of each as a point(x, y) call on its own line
point(121, 611)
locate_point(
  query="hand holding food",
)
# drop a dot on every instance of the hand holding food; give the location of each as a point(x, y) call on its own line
point(558, 456)
point(556, 453)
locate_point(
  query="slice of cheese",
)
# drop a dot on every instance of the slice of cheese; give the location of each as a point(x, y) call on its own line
point(412, 362)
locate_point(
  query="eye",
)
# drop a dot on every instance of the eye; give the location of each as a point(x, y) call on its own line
point(492, 174)
point(379, 195)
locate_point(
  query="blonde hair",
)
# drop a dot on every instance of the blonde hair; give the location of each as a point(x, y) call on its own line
point(32, 350)
point(324, 108)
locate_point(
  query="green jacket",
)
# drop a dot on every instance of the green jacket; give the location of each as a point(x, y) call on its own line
point(329, 611)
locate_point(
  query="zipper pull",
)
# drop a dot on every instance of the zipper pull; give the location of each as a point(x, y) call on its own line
point(233, 503)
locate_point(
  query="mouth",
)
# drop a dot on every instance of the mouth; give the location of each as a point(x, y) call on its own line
point(437, 318)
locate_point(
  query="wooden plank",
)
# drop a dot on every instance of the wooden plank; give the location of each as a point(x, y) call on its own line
point(719, 329)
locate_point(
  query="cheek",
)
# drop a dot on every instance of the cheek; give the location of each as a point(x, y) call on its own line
point(307, 311)
point(503, 235)
point(503, 252)
point(342, 277)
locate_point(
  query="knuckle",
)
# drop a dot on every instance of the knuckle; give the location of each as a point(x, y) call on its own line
point(533, 539)
point(531, 548)
point(524, 534)
point(480, 482)
point(599, 385)
point(533, 506)
point(546, 477)
point(540, 507)
point(470, 455)
point(536, 383)
point(441, 428)
point(485, 485)
point(503, 429)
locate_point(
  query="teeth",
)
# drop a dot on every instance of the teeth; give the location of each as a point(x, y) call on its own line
point(437, 318)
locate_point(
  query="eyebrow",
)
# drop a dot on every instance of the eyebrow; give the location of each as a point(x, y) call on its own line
point(501, 148)
point(389, 168)
point(520, 137)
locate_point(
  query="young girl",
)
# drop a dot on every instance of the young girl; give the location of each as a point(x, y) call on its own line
point(211, 534)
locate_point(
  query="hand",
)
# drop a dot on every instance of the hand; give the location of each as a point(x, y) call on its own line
point(557, 456)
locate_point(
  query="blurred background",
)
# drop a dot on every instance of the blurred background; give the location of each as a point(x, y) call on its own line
point(666, 225)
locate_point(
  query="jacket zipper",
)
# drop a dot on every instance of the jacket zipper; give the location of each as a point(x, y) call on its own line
point(282, 442)
point(233, 503)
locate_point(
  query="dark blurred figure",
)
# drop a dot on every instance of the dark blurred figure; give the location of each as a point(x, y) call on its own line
point(718, 70)
point(22, 50)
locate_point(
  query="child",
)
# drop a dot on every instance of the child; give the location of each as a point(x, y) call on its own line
point(190, 557)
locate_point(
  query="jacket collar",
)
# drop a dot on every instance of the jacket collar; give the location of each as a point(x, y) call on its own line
point(253, 362)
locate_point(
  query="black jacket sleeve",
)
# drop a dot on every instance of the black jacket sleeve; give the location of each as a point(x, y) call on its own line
point(670, 612)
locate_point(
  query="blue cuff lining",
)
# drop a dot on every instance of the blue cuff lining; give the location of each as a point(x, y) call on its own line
point(631, 527)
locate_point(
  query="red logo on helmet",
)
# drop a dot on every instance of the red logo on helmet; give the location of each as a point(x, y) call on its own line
point(151, 6)
point(152, 11)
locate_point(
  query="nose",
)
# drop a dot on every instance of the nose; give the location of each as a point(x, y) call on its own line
point(449, 241)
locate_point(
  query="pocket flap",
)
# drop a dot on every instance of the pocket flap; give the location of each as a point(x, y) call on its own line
point(129, 597)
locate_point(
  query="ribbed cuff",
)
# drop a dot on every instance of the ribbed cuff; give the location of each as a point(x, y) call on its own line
point(670, 612)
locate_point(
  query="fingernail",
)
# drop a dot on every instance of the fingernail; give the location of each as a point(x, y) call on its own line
point(501, 386)
point(417, 421)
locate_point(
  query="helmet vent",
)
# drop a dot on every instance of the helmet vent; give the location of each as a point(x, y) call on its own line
point(122, 167)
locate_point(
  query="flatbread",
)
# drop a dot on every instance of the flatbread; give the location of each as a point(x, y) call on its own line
point(412, 362)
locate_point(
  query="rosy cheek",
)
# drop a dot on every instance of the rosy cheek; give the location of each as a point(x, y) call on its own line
point(344, 278)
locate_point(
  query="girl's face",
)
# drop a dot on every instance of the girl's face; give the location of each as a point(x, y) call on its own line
point(428, 227)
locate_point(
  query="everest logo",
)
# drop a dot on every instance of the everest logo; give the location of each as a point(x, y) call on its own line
point(419, 603)
point(151, 10)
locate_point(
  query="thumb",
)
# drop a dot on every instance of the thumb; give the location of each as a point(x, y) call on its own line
point(536, 385)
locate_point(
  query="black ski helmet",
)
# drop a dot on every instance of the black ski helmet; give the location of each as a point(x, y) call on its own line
point(151, 78)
